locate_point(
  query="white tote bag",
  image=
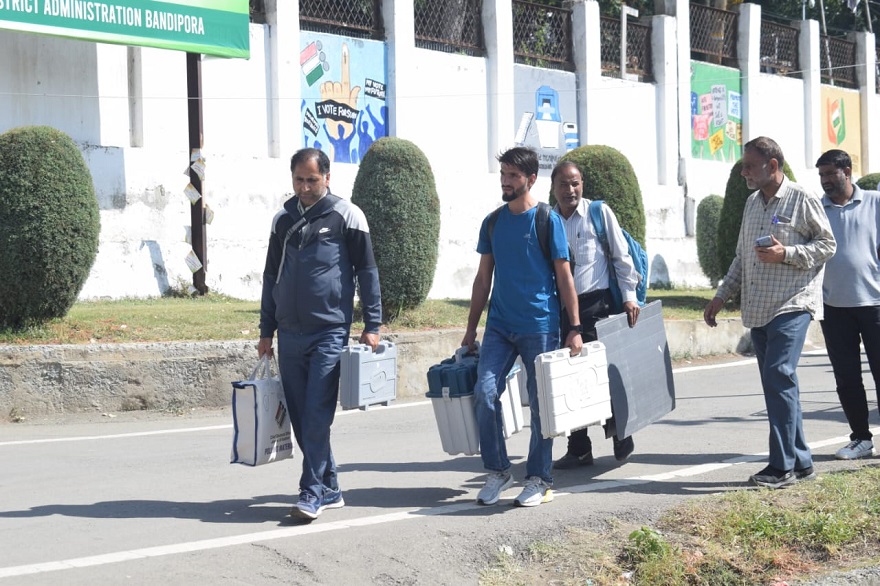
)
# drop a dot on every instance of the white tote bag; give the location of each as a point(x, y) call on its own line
point(260, 418)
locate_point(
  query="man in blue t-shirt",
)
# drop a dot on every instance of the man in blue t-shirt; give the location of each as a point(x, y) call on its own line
point(523, 321)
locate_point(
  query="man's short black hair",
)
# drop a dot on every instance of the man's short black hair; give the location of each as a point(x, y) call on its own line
point(523, 158)
point(836, 157)
point(303, 155)
point(562, 165)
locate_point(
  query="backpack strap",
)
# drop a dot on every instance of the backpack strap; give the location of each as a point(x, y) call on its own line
point(490, 225)
point(542, 224)
point(599, 224)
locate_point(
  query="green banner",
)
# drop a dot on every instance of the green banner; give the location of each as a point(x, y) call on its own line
point(211, 27)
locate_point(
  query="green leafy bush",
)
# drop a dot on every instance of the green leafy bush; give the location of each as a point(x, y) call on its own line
point(50, 225)
point(608, 175)
point(708, 214)
point(869, 181)
point(735, 196)
point(395, 188)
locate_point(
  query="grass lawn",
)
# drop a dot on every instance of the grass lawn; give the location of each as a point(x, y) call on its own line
point(216, 317)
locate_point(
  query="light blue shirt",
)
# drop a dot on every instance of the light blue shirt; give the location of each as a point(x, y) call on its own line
point(852, 275)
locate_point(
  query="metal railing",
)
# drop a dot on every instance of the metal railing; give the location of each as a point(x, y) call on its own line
point(877, 69)
point(451, 26)
point(837, 60)
point(258, 11)
point(713, 34)
point(638, 48)
point(779, 49)
point(542, 35)
point(351, 18)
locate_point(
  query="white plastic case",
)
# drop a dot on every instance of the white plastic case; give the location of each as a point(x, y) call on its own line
point(572, 390)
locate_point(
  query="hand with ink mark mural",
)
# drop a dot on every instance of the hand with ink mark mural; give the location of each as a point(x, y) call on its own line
point(339, 105)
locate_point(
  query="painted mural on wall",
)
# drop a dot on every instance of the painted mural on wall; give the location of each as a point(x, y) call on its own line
point(841, 123)
point(343, 89)
point(545, 111)
point(716, 113)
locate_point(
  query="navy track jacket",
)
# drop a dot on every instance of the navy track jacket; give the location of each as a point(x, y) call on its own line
point(310, 273)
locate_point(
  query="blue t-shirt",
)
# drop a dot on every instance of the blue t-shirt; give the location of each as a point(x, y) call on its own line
point(524, 299)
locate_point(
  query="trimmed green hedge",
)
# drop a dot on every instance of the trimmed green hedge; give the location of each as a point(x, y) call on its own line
point(50, 225)
point(395, 188)
point(708, 214)
point(869, 181)
point(608, 175)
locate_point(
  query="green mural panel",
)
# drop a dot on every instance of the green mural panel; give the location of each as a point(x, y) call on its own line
point(716, 113)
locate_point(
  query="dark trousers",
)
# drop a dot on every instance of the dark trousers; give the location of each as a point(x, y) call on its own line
point(309, 365)
point(592, 307)
point(845, 328)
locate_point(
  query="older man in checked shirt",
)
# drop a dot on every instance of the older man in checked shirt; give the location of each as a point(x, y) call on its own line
point(780, 279)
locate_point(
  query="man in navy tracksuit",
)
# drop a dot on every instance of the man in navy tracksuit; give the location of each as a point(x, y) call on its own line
point(319, 247)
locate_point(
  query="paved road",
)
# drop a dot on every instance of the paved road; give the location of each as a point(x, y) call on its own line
point(149, 500)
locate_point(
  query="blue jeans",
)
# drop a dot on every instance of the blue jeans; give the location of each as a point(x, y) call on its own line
point(778, 348)
point(309, 366)
point(497, 355)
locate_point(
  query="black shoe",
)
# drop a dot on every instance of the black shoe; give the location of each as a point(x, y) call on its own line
point(773, 478)
point(805, 474)
point(569, 461)
point(623, 448)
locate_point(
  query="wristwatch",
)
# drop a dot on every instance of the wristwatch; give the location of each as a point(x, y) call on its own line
point(578, 328)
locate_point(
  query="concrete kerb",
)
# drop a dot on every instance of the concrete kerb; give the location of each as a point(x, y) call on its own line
point(44, 380)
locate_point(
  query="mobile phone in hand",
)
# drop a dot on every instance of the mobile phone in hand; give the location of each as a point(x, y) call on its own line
point(764, 241)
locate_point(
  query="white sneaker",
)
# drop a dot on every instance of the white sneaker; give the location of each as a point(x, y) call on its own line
point(497, 483)
point(855, 449)
point(535, 492)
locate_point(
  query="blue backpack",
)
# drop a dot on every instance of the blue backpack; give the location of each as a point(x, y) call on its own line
point(638, 254)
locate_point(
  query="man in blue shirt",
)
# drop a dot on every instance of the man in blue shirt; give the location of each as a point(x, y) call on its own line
point(523, 321)
point(851, 291)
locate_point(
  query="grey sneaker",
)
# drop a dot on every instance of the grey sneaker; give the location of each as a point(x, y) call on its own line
point(497, 483)
point(535, 492)
point(855, 449)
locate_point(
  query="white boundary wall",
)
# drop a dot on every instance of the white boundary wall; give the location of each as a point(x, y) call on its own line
point(126, 108)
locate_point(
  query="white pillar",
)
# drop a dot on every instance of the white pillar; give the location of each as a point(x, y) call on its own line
point(111, 65)
point(866, 76)
point(808, 54)
point(135, 97)
point(665, 65)
point(498, 34)
point(285, 90)
point(681, 11)
point(400, 42)
point(587, 54)
point(749, 57)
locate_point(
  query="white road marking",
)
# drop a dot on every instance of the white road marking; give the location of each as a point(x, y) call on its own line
point(404, 515)
point(323, 527)
point(162, 431)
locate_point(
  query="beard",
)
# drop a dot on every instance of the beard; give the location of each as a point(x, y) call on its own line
point(509, 197)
